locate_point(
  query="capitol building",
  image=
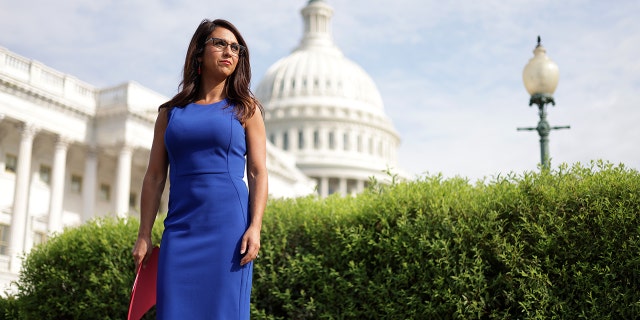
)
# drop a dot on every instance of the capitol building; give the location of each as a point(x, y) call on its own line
point(70, 152)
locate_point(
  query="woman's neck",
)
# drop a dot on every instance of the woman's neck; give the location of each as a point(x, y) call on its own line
point(212, 91)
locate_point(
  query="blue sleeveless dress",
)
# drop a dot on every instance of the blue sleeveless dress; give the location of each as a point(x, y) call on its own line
point(199, 274)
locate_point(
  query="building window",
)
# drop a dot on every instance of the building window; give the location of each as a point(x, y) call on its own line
point(76, 184)
point(133, 200)
point(39, 238)
point(105, 192)
point(272, 138)
point(45, 174)
point(285, 141)
point(4, 239)
point(11, 163)
point(300, 139)
point(332, 140)
point(316, 139)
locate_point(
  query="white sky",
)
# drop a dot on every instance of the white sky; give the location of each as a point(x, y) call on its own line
point(449, 72)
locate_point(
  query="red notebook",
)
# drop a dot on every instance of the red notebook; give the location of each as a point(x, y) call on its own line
point(143, 295)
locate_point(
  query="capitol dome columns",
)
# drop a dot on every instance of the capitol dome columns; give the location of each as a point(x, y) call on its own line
point(324, 187)
point(317, 23)
point(307, 137)
point(341, 185)
point(293, 138)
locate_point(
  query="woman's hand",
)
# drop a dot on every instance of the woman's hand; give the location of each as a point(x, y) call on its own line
point(142, 250)
point(250, 245)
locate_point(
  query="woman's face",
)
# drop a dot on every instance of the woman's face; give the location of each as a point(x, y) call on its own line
point(221, 53)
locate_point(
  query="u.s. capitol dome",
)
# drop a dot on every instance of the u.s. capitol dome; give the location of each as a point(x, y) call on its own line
point(325, 110)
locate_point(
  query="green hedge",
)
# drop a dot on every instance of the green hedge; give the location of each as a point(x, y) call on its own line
point(82, 273)
point(549, 245)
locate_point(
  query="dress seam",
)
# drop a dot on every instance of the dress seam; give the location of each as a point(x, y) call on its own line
point(235, 186)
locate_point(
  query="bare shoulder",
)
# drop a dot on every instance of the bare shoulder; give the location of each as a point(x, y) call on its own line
point(161, 119)
point(257, 119)
point(162, 113)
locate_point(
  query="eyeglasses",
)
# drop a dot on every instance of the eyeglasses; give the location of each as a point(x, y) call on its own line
point(221, 44)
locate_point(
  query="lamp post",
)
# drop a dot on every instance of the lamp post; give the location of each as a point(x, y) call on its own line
point(540, 77)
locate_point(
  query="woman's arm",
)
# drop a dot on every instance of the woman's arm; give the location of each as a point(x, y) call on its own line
point(152, 188)
point(258, 185)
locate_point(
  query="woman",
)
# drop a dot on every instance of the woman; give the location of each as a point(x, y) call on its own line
point(212, 228)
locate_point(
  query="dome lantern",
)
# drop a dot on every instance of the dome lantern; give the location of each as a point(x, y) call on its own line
point(317, 26)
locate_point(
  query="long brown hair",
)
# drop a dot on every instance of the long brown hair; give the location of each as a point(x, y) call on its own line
point(237, 86)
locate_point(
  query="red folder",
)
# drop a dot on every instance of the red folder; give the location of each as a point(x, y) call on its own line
point(143, 295)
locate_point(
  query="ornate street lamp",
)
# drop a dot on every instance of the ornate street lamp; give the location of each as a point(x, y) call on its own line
point(540, 78)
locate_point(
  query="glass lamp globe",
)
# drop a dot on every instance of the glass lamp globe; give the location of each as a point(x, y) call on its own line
point(540, 75)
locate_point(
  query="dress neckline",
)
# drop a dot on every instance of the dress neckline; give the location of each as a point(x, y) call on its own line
point(209, 104)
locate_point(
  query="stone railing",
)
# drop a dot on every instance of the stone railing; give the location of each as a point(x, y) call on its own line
point(58, 86)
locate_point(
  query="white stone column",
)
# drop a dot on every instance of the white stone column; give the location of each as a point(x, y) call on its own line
point(343, 186)
point(370, 145)
point(385, 150)
point(293, 140)
point(375, 147)
point(123, 182)
point(353, 141)
point(339, 137)
point(308, 138)
point(57, 184)
point(89, 184)
point(21, 196)
point(324, 138)
point(278, 140)
point(324, 187)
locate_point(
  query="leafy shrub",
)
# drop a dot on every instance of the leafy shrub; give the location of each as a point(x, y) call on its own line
point(9, 308)
point(83, 273)
point(561, 244)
